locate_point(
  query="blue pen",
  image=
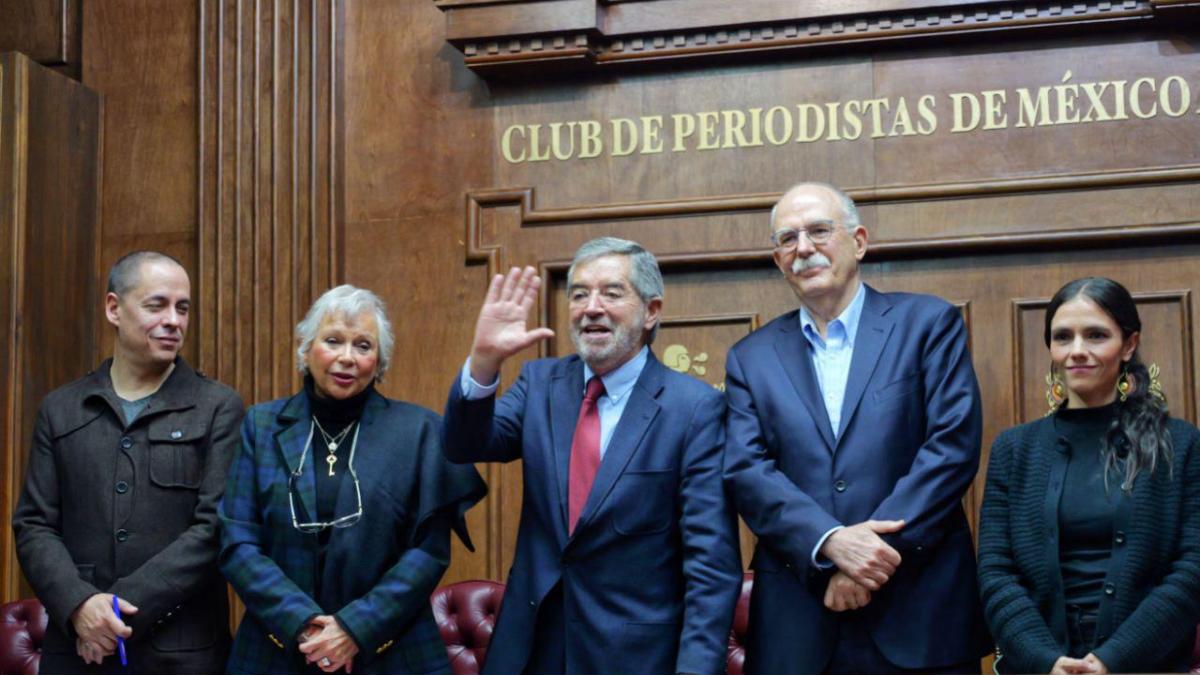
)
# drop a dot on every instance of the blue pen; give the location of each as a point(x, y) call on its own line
point(120, 640)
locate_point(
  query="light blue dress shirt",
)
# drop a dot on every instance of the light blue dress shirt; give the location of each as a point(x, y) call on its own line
point(831, 355)
point(831, 358)
point(617, 385)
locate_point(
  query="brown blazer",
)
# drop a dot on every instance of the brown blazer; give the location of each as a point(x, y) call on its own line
point(131, 511)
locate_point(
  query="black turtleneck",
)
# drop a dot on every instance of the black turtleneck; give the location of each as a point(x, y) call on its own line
point(1087, 508)
point(334, 415)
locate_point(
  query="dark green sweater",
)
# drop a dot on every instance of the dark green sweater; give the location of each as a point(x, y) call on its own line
point(1148, 622)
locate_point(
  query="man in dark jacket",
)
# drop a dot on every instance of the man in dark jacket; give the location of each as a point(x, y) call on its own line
point(125, 472)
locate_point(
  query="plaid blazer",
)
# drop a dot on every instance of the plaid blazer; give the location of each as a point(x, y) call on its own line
point(378, 573)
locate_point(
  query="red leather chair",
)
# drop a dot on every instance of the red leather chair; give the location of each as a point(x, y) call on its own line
point(22, 627)
point(466, 615)
point(735, 658)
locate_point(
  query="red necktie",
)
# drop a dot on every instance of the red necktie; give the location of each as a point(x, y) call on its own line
point(585, 453)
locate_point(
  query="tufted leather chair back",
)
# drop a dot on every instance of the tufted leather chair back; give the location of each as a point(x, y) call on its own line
point(466, 615)
point(735, 657)
point(22, 627)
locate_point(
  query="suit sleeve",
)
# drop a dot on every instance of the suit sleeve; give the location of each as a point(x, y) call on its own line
point(947, 461)
point(783, 516)
point(1152, 629)
point(443, 493)
point(269, 594)
point(162, 583)
point(711, 558)
point(37, 524)
point(1013, 616)
point(484, 430)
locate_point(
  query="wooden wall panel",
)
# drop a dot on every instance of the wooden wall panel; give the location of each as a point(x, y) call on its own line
point(142, 58)
point(47, 31)
point(418, 129)
point(268, 184)
point(49, 182)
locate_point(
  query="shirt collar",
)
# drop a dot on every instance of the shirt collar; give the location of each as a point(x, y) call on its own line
point(618, 382)
point(848, 319)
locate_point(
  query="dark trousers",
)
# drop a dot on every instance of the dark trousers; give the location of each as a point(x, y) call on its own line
point(856, 654)
point(1081, 631)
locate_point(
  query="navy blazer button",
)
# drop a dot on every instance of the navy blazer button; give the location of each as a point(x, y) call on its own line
point(532, 603)
point(1119, 537)
point(840, 486)
point(122, 534)
point(127, 442)
point(122, 487)
point(1109, 589)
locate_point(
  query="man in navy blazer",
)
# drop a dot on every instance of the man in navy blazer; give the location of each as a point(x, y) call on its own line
point(853, 432)
point(640, 572)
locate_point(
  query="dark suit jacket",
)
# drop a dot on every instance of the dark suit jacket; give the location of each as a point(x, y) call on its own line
point(908, 448)
point(650, 577)
point(131, 511)
point(1148, 622)
point(378, 573)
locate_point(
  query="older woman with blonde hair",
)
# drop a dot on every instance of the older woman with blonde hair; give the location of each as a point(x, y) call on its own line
point(338, 511)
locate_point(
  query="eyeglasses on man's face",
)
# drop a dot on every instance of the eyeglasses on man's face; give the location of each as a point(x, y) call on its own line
point(788, 238)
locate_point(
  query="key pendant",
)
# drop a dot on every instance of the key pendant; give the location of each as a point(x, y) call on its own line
point(331, 459)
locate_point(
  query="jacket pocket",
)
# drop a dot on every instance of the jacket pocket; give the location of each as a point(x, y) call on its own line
point(176, 452)
point(645, 503)
point(194, 625)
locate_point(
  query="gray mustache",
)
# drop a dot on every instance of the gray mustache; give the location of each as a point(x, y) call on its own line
point(815, 260)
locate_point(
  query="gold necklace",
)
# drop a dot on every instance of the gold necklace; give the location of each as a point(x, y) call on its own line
point(331, 442)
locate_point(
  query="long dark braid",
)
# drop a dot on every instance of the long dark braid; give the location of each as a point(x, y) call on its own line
point(1138, 438)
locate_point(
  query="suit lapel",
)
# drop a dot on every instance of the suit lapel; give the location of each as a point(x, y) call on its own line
point(874, 329)
point(794, 353)
point(640, 411)
point(292, 437)
point(566, 396)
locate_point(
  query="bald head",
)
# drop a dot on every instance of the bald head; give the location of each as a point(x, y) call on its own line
point(848, 210)
point(126, 273)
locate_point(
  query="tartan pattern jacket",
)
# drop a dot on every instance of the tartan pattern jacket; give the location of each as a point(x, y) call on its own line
point(378, 573)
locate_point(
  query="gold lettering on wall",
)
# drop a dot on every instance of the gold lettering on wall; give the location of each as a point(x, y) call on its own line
point(1065, 102)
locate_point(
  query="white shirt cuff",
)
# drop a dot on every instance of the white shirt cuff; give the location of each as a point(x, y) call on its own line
point(818, 561)
point(473, 391)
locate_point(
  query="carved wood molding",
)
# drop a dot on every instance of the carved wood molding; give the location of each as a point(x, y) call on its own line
point(269, 187)
point(496, 44)
point(480, 250)
point(531, 215)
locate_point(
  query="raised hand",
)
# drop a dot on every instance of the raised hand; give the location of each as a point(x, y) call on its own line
point(858, 551)
point(501, 329)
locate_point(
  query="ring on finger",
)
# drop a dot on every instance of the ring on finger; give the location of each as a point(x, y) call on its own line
point(326, 662)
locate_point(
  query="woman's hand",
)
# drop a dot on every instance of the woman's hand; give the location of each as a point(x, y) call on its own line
point(330, 647)
point(1066, 665)
point(1097, 664)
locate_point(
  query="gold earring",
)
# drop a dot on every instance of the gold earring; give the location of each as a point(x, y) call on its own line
point(1123, 385)
point(1056, 391)
point(1155, 387)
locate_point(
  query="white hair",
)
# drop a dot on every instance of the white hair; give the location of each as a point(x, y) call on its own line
point(349, 302)
point(850, 219)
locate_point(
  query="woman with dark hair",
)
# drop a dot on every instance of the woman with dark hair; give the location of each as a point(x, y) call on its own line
point(1089, 539)
point(337, 516)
